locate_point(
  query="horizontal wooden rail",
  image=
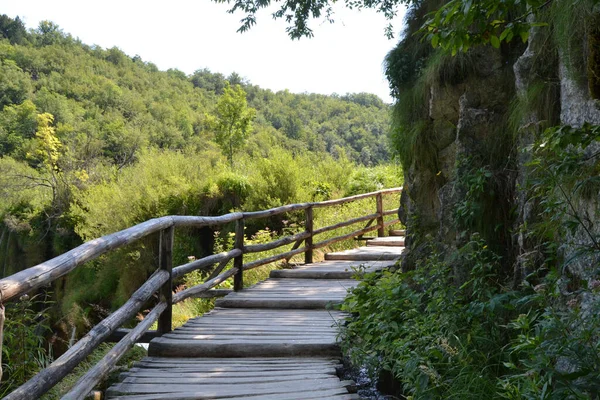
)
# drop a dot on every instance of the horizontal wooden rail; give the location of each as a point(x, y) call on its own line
point(276, 211)
point(345, 223)
point(255, 248)
point(204, 263)
point(196, 290)
point(345, 237)
point(272, 259)
point(161, 281)
point(345, 200)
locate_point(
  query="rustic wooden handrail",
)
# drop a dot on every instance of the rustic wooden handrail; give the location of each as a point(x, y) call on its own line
point(161, 282)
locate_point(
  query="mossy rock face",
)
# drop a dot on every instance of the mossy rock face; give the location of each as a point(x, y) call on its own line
point(594, 57)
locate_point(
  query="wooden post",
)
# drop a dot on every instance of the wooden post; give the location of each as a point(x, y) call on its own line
point(308, 255)
point(380, 227)
point(238, 262)
point(165, 321)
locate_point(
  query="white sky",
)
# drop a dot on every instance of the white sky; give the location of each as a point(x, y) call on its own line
point(343, 57)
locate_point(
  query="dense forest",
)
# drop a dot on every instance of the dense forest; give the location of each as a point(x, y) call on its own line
point(93, 141)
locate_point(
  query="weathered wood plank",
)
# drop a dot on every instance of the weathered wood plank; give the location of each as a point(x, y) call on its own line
point(254, 248)
point(396, 241)
point(367, 253)
point(323, 394)
point(216, 391)
point(195, 348)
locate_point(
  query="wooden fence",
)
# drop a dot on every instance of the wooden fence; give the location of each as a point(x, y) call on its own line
point(161, 281)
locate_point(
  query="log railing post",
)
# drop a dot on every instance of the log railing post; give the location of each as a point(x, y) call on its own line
point(308, 255)
point(380, 227)
point(238, 262)
point(165, 321)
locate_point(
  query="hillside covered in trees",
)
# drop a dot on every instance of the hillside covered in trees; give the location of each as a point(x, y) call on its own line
point(75, 118)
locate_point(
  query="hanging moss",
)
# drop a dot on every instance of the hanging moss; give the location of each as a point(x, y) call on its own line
point(593, 64)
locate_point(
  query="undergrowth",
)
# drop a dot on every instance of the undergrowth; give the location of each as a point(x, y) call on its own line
point(457, 327)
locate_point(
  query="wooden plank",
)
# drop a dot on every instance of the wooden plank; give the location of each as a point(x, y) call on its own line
point(237, 372)
point(340, 393)
point(367, 253)
point(196, 348)
point(387, 241)
point(280, 303)
point(216, 391)
point(247, 360)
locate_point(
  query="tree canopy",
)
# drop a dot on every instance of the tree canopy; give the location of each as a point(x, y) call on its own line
point(233, 120)
point(456, 25)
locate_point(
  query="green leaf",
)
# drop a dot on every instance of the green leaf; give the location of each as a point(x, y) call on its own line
point(495, 41)
point(435, 40)
point(524, 36)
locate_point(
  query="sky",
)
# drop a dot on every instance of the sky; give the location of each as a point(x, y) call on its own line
point(343, 57)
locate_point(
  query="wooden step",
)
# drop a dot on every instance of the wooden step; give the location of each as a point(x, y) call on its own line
point(397, 241)
point(369, 253)
point(224, 378)
point(290, 293)
point(397, 232)
point(270, 333)
point(330, 270)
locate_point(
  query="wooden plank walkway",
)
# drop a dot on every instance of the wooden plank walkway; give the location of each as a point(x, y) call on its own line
point(275, 340)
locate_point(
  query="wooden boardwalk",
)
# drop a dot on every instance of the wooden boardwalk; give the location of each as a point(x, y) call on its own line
point(275, 340)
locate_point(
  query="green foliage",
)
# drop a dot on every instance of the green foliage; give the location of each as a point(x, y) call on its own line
point(438, 339)
point(364, 180)
point(477, 339)
point(454, 25)
point(25, 350)
point(460, 25)
point(554, 351)
point(565, 167)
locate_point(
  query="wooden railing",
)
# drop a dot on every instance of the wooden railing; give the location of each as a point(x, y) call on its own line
point(161, 281)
